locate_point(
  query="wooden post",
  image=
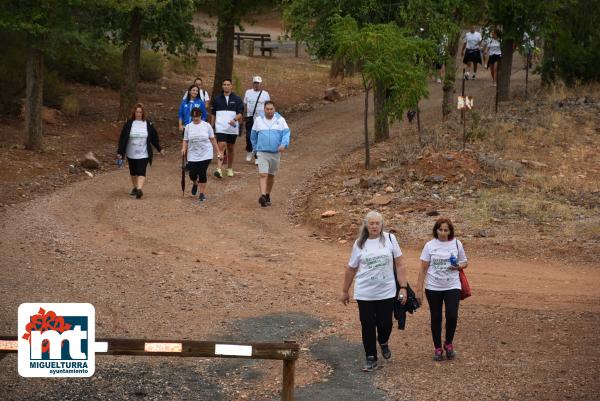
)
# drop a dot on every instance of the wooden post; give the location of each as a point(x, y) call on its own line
point(287, 391)
point(527, 62)
point(498, 66)
point(296, 49)
point(287, 352)
point(463, 115)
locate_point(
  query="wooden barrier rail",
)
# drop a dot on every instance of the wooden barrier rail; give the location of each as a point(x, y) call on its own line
point(287, 352)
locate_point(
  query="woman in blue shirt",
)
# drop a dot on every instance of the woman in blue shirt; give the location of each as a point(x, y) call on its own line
point(192, 101)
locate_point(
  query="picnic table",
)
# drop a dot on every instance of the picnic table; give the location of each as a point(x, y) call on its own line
point(266, 46)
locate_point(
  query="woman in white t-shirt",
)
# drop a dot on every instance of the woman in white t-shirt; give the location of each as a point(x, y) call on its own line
point(493, 53)
point(441, 260)
point(372, 264)
point(198, 144)
point(471, 52)
point(134, 143)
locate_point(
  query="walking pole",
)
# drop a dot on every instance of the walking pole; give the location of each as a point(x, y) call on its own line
point(499, 62)
point(183, 175)
point(462, 112)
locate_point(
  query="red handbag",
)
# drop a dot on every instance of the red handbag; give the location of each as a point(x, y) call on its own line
point(465, 288)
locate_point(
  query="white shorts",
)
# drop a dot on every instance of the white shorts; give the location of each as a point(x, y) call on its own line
point(268, 163)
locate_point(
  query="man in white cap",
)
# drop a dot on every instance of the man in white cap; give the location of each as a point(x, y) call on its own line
point(254, 102)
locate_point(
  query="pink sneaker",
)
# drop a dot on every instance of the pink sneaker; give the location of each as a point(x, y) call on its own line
point(449, 348)
point(438, 355)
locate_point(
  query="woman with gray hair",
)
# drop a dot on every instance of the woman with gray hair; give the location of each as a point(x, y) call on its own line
point(374, 255)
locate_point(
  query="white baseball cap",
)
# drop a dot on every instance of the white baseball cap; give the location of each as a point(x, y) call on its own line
point(257, 79)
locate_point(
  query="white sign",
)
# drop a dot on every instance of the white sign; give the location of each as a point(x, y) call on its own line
point(56, 340)
point(222, 125)
point(229, 349)
point(465, 102)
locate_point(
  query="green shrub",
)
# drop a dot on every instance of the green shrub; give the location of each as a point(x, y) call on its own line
point(100, 67)
point(70, 106)
point(12, 72)
point(572, 43)
point(54, 89)
point(151, 66)
point(182, 65)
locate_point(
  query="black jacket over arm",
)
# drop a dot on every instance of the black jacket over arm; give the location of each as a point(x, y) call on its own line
point(152, 139)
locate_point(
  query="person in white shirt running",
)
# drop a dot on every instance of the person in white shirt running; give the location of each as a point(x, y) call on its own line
point(494, 55)
point(198, 145)
point(254, 104)
point(441, 260)
point(471, 52)
point(374, 256)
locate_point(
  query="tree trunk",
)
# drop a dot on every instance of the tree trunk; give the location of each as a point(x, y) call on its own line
point(450, 75)
point(337, 69)
point(382, 125)
point(505, 70)
point(130, 72)
point(225, 47)
point(366, 121)
point(34, 94)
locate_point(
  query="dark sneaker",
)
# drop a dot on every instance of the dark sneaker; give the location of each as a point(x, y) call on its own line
point(385, 351)
point(139, 194)
point(202, 197)
point(218, 173)
point(133, 192)
point(438, 355)
point(263, 201)
point(370, 364)
point(450, 353)
point(268, 197)
point(473, 77)
point(194, 189)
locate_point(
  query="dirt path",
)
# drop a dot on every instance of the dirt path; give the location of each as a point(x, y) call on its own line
point(166, 266)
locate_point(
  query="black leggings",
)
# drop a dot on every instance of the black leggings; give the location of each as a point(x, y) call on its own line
point(375, 316)
point(198, 170)
point(435, 299)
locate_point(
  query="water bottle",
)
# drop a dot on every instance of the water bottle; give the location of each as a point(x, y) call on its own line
point(453, 260)
point(120, 163)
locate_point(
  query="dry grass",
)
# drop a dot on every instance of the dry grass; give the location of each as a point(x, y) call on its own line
point(521, 205)
point(289, 80)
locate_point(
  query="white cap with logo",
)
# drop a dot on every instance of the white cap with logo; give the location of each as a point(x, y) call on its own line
point(257, 79)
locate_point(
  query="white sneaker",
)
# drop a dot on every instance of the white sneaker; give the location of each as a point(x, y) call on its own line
point(467, 76)
point(248, 156)
point(473, 77)
point(439, 81)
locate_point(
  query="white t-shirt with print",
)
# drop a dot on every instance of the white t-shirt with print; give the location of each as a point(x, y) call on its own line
point(438, 253)
point(137, 147)
point(250, 100)
point(374, 279)
point(493, 46)
point(472, 40)
point(199, 145)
